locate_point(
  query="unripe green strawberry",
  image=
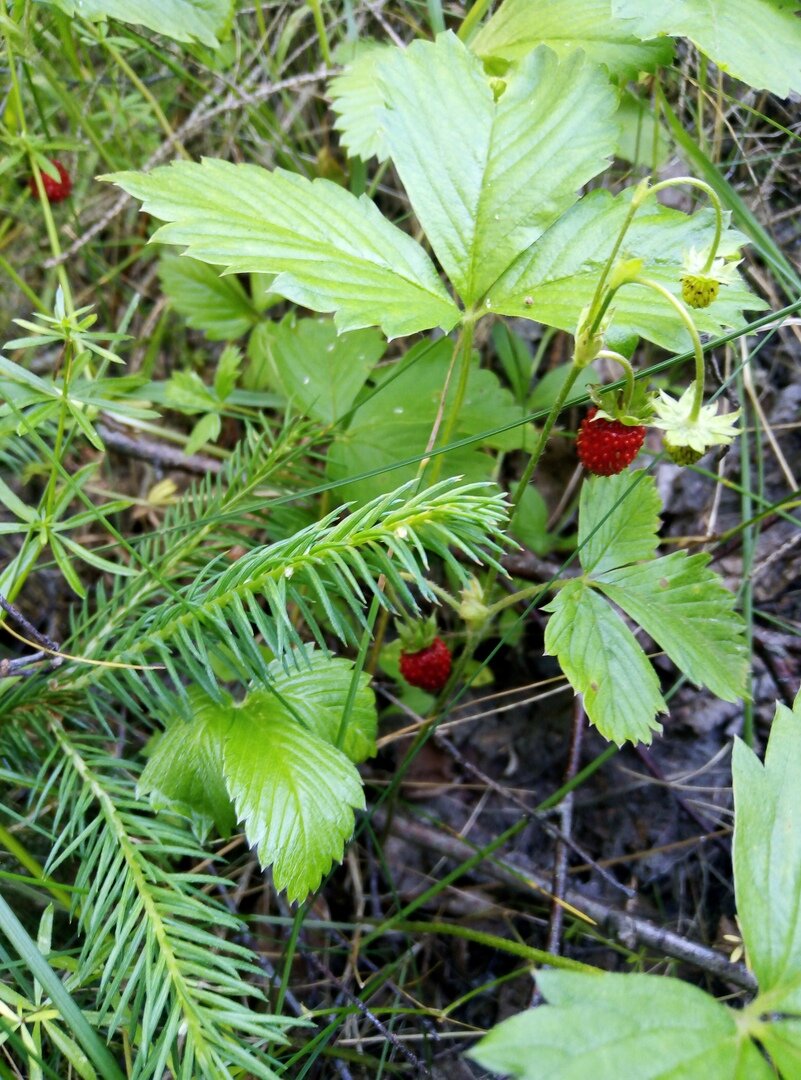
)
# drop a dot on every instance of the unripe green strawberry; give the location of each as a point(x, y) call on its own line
point(699, 290)
point(682, 455)
point(428, 668)
point(606, 447)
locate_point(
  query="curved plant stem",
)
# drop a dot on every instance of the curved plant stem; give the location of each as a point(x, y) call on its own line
point(686, 318)
point(462, 353)
point(609, 354)
point(712, 195)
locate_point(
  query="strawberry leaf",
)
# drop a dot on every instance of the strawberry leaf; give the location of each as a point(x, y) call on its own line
point(184, 772)
point(518, 26)
point(622, 1025)
point(218, 306)
point(489, 167)
point(602, 660)
point(204, 21)
point(757, 41)
point(767, 862)
point(554, 280)
point(330, 250)
point(357, 100)
point(318, 371)
point(294, 792)
point(618, 521)
point(689, 613)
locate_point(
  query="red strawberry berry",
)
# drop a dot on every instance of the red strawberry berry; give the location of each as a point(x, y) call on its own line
point(606, 447)
point(429, 668)
point(56, 190)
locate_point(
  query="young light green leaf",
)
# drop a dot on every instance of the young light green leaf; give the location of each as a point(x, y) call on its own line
point(315, 687)
point(294, 792)
point(206, 430)
point(184, 773)
point(218, 306)
point(688, 611)
point(518, 26)
point(757, 41)
point(330, 250)
point(357, 100)
point(611, 1026)
point(319, 372)
point(395, 423)
point(602, 660)
point(489, 168)
point(767, 860)
point(183, 20)
point(556, 278)
point(618, 521)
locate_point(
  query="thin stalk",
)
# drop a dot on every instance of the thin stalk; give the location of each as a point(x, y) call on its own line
point(322, 32)
point(698, 349)
point(608, 354)
point(462, 354)
point(550, 420)
point(712, 195)
point(472, 19)
point(164, 123)
point(597, 308)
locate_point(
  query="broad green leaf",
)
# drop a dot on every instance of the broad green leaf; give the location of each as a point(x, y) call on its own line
point(294, 792)
point(357, 100)
point(618, 521)
point(688, 611)
point(757, 41)
point(489, 167)
point(613, 1026)
point(183, 20)
point(518, 26)
point(395, 423)
point(318, 372)
point(184, 773)
point(330, 250)
point(602, 660)
point(317, 689)
point(218, 306)
point(556, 278)
point(767, 860)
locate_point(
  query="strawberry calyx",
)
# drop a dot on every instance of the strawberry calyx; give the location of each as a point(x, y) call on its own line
point(612, 405)
point(418, 635)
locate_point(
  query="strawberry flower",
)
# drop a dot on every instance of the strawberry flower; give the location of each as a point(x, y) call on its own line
point(691, 431)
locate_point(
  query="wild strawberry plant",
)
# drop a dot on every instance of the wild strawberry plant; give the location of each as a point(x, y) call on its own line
point(243, 630)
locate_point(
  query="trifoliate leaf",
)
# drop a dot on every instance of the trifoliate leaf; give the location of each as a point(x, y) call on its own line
point(183, 20)
point(330, 250)
point(357, 99)
point(556, 278)
point(618, 521)
point(767, 862)
point(488, 169)
point(518, 26)
point(318, 371)
point(396, 422)
point(218, 306)
point(610, 1026)
point(294, 792)
point(184, 774)
point(688, 611)
point(757, 41)
point(602, 660)
point(316, 687)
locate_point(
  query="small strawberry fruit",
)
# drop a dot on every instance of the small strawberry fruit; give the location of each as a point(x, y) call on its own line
point(429, 668)
point(56, 190)
point(606, 447)
point(425, 659)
